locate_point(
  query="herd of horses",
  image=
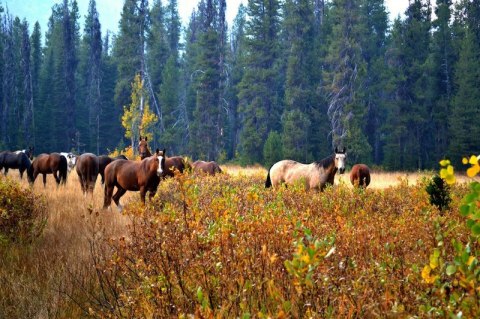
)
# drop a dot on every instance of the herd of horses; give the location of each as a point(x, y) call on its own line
point(145, 175)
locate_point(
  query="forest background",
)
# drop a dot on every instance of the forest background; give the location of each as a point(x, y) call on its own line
point(289, 79)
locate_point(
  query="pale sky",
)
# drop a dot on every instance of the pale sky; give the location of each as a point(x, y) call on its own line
point(110, 10)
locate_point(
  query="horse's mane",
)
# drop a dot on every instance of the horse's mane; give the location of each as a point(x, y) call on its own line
point(326, 162)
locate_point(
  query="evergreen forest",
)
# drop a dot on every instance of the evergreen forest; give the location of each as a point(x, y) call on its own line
point(287, 79)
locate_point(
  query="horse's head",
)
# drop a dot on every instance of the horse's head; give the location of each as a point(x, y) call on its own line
point(143, 150)
point(157, 163)
point(340, 159)
point(29, 152)
point(71, 161)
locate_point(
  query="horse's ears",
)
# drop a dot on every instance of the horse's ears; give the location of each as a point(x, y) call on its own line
point(164, 152)
point(344, 150)
point(336, 149)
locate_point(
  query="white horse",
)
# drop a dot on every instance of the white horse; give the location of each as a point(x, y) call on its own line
point(71, 160)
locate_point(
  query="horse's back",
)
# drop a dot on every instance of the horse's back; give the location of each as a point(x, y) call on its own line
point(87, 163)
point(210, 168)
point(281, 171)
point(122, 173)
point(360, 175)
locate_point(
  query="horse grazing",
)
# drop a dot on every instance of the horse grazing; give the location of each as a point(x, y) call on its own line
point(28, 152)
point(13, 160)
point(104, 160)
point(53, 163)
point(126, 175)
point(143, 149)
point(360, 175)
point(315, 175)
point(87, 170)
point(173, 163)
point(209, 168)
point(71, 160)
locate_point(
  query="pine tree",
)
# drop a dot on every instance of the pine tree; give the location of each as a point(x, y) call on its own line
point(299, 92)
point(129, 50)
point(344, 77)
point(92, 40)
point(440, 90)
point(465, 111)
point(36, 61)
point(28, 124)
point(259, 90)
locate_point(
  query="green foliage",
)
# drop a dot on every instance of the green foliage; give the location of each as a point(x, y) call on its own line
point(23, 215)
point(439, 192)
point(455, 283)
point(273, 149)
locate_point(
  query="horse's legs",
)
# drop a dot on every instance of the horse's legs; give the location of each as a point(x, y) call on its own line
point(116, 198)
point(103, 177)
point(21, 173)
point(108, 196)
point(6, 171)
point(57, 179)
point(143, 192)
point(44, 180)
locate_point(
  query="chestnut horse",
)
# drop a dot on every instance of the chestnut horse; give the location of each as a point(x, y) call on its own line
point(360, 175)
point(17, 160)
point(209, 168)
point(104, 160)
point(53, 163)
point(174, 163)
point(141, 176)
point(87, 170)
point(315, 175)
point(143, 149)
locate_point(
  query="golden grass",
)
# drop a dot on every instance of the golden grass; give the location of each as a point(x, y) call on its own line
point(379, 179)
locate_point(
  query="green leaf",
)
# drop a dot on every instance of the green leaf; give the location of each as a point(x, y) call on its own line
point(451, 269)
point(476, 229)
point(464, 210)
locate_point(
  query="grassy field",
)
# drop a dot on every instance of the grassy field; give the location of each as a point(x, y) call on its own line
point(219, 246)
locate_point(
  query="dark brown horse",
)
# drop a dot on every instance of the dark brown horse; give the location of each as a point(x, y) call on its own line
point(360, 175)
point(53, 163)
point(87, 170)
point(209, 168)
point(141, 176)
point(28, 151)
point(315, 175)
point(13, 160)
point(104, 160)
point(174, 163)
point(143, 149)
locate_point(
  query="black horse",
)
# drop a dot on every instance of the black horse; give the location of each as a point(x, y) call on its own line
point(14, 160)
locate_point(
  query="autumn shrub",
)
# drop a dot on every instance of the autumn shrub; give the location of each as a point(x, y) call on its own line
point(225, 247)
point(452, 273)
point(23, 214)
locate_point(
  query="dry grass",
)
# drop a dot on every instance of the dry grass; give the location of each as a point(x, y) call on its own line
point(379, 179)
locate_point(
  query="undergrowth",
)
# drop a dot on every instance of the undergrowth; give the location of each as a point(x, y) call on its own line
point(226, 247)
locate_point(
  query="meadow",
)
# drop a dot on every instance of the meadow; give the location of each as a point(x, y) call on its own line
point(225, 247)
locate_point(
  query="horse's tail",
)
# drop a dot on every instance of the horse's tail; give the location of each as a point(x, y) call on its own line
point(268, 182)
point(62, 170)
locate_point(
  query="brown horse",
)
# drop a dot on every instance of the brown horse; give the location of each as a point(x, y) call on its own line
point(360, 175)
point(17, 160)
point(174, 163)
point(87, 170)
point(141, 176)
point(315, 175)
point(104, 160)
point(143, 149)
point(53, 163)
point(209, 168)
